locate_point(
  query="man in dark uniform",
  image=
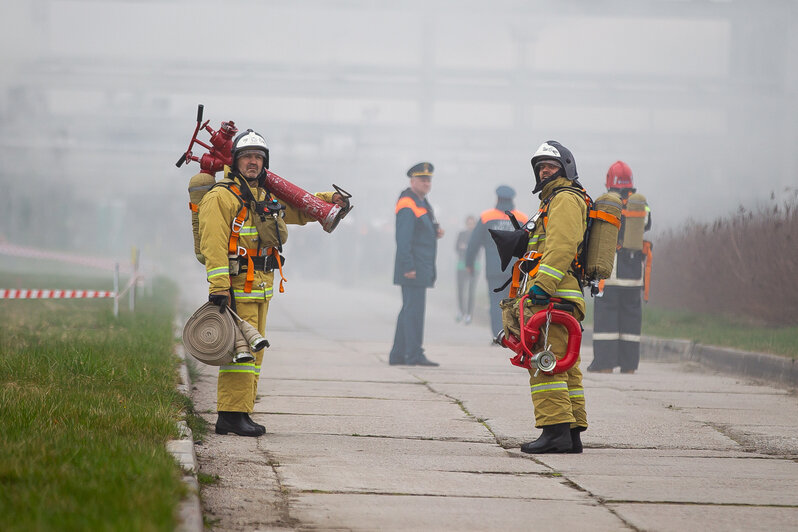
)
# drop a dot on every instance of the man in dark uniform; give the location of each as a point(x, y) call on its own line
point(414, 269)
point(494, 219)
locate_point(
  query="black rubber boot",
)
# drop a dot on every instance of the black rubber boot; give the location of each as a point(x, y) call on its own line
point(576, 440)
point(555, 439)
point(235, 422)
point(424, 361)
point(258, 426)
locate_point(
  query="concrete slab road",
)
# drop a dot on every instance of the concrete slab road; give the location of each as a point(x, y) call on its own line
point(355, 444)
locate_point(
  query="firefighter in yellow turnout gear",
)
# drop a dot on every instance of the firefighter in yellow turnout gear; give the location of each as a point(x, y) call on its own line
point(556, 235)
point(242, 250)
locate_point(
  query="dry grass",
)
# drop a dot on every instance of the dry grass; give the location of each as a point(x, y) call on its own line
point(742, 266)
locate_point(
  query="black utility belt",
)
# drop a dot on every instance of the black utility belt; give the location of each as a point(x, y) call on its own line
point(265, 263)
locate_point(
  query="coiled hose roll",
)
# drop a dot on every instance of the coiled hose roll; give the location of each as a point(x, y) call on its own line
point(209, 335)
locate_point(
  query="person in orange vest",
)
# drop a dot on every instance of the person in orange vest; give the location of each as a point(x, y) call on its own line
point(497, 219)
point(417, 233)
point(618, 309)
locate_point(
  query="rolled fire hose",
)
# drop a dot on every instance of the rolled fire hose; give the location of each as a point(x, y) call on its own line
point(209, 335)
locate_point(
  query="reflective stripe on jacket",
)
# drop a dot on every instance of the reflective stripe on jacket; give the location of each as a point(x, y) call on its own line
point(217, 211)
point(558, 240)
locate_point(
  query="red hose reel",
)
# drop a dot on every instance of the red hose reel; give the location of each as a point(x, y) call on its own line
point(544, 360)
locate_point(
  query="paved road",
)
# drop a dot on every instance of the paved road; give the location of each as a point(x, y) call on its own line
point(355, 444)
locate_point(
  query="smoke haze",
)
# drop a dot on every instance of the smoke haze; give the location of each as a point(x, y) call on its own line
point(98, 100)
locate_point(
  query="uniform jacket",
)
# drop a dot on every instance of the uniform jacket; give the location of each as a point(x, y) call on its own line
point(628, 267)
point(558, 241)
point(480, 238)
point(416, 240)
point(217, 211)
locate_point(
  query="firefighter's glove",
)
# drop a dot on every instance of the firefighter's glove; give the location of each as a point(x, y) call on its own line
point(219, 299)
point(538, 296)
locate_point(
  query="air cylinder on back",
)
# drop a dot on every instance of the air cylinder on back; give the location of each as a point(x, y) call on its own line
point(198, 186)
point(634, 222)
point(603, 238)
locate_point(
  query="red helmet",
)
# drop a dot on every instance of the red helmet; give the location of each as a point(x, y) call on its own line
point(619, 176)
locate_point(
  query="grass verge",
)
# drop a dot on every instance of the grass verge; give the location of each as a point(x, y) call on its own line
point(720, 331)
point(707, 329)
point(87, 402)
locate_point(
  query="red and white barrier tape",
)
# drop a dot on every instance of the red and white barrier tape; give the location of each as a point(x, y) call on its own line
point(94, 262)
point(35, 293)
point(54, 294)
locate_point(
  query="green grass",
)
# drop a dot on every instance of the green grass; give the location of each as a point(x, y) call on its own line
point(720, 331)
point(87, 402)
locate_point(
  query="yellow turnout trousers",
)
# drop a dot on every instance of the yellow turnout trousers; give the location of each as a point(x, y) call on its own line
point(557, 398)
point(237, 385)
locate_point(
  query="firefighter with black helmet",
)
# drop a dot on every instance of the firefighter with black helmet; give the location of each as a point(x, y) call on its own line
point(555, 236)
point(618, 314)
point(242, 228)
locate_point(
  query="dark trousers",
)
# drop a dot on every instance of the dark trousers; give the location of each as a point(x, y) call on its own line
point(495, 298)
point(465, 292)
point(617, 320)
point(410, 327)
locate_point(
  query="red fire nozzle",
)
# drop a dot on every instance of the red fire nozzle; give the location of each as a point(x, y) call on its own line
point(530, 334)
point(219, 148)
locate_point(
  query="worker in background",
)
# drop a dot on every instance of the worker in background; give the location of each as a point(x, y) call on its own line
point(618, 309)
point(417, 233)
point(497, 219)
point(466, 280)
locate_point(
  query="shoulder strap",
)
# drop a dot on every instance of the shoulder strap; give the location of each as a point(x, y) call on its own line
point(581, 192)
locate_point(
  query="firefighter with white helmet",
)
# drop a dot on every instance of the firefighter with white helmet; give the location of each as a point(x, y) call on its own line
point(555, 237)
point(618, 314)
point(242, 228)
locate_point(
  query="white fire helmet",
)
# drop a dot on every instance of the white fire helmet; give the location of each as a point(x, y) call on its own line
point(249, 140)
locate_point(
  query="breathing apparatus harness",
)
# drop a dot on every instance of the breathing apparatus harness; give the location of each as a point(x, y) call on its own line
point(647, 247)
point(527, 266)
point(265, 259)
point(558, 311)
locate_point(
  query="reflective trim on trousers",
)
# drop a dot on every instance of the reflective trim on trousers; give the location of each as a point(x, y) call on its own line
point(240, 295)
point(549, 387)
point(238, 368)
point(617, 336)
point(623, 282)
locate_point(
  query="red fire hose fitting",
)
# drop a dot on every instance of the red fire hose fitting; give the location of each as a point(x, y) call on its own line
point(219, 155)
point(530, 334)
point(328, 214)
